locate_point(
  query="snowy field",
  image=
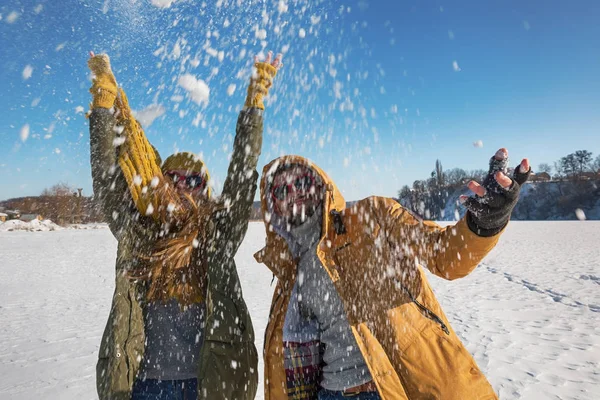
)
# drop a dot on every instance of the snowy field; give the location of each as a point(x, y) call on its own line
point(530, 313)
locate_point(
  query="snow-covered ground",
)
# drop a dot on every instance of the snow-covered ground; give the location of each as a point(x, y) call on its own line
point(530, 313)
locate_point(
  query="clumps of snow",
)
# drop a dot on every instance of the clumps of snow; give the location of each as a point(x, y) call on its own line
point(478, 144)
point(455, 66)
point(12, 17)
point(79, 110)
point(231, 89)
point(87, 226)
point(24, 133)
point(162, 3)
point(32, 226)
point(580, 214)
point(261, 34)
point(282, 7)
point(147, 116)
point(27, 72)
point(302, 33)
point(197, 89)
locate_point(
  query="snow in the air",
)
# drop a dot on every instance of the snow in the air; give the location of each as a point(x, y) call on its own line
point(529, 314)
point(24, 134)
point(197, 89)
point(147, 116)
point(27, 72)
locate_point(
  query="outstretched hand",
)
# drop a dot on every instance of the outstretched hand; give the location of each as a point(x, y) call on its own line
point(498, 194)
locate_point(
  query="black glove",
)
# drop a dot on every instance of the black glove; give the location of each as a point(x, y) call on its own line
point(489, 214)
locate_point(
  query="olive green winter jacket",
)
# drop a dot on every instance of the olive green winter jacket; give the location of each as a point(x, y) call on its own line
point(228, 360)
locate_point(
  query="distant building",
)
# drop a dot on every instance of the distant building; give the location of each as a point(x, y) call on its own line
point(12, 214)
point(541, 177)
point(30, 217)
point(590, 175)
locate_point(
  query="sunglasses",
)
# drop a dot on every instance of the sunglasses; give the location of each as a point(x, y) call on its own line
point(302, 183)
point(193, 182)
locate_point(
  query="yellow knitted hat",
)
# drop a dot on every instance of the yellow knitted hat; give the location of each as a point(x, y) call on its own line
point(186, 161)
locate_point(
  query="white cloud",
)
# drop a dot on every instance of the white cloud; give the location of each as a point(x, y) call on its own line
point(27, 72)
point(197, 89)
point(24, 132)
point(162, 3)
point(478, 144)
point(147, 116)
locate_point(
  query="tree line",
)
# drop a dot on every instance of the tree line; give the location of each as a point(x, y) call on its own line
point(428, 197)
point(61, 203)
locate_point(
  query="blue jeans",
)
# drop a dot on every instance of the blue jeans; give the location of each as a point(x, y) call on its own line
point(153, 389)
point(325, 394)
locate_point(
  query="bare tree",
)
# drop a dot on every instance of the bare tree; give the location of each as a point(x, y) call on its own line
point(596, 164)
point(60, 189)
point(584, 160)
point(545, 167)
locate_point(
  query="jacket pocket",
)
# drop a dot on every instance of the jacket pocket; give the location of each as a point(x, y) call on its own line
point(437, 366)
point(228, 371)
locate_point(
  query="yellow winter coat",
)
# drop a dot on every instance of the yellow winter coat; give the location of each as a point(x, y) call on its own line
point(374, 253)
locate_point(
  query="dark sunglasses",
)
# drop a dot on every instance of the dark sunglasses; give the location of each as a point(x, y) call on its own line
point(194, 181)
point(300, 184)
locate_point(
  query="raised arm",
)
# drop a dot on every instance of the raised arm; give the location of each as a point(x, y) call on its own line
point(453, 252)
point(241, 182)
point(110, 186)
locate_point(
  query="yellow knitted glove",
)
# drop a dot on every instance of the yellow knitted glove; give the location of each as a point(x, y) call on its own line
point(260, 84)
point(104, 86)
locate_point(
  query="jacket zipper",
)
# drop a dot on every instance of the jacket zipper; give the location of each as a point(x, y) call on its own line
point(269, 323)
point(427, 312)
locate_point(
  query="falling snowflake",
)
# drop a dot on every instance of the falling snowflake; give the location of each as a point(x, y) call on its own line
point(27, 72)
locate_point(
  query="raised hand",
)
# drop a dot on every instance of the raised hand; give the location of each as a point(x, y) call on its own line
point(262, 79)
point(495, 198)
point(275, 63)
point(104, 85)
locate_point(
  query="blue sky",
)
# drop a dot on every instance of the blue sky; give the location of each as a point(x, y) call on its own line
point(373, 91)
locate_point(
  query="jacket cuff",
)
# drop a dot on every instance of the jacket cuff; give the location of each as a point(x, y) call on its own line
point(253, 111)
point(483, 232)
point(103, 99)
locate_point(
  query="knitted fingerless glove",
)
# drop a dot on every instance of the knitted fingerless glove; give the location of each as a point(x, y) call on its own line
point(488, 215)
point(104, 86)
point(260, 82)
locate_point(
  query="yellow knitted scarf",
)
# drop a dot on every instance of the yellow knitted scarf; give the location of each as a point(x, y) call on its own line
point(171, 269)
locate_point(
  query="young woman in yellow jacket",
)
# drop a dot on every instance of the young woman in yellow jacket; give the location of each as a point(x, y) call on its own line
point(353, 313)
